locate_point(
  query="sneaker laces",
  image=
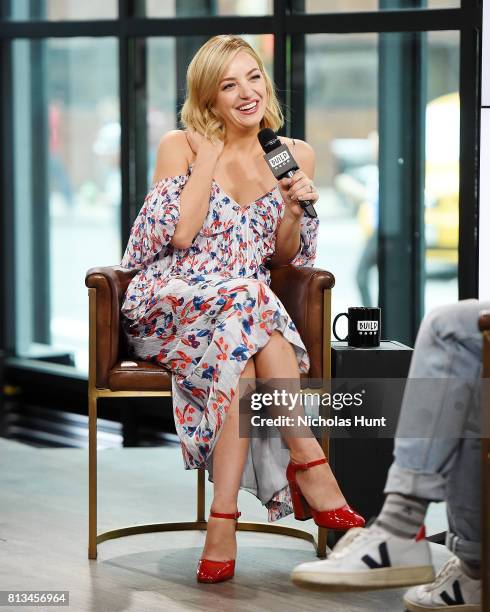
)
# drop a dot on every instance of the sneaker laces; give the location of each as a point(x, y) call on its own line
point(444, 573)
point(344, 545)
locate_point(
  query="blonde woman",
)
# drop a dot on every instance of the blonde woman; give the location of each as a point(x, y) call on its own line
point(201, 305)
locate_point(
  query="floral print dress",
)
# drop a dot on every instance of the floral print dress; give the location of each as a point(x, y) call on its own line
point(204, 311)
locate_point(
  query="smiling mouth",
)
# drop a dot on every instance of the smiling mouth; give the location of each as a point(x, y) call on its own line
point(248, 109)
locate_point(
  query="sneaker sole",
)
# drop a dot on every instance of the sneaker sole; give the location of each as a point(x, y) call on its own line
point(413, 607)
point(382, 578)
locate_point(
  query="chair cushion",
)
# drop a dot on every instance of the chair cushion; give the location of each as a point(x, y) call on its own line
point(131, 375)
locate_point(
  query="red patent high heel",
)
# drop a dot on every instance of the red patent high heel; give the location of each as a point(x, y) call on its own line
point(340, 518)
point(217, 571)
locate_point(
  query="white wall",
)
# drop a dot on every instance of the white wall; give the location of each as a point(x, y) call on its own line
point(484, 282)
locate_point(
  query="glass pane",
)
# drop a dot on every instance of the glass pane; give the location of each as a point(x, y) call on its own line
point(442, 169)
point(162, 94)
point(345, 6)
point(196, 8)
point(57, 10)
point(170, 57)
point(341, 125)
point(66, 188)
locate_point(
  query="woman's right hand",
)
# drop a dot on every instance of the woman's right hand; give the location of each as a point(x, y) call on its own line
point(201, 145)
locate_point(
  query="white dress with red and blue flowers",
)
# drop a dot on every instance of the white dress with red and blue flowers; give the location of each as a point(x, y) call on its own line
point(204, 311)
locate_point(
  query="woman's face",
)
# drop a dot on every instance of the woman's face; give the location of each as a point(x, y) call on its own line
point(242, 97)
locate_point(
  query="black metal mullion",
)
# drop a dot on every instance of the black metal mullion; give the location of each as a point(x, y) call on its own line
point(298, 85)
point(297, 96)
point(40, 172)
point(139, 95)
point(139, 27)
point(5, 8)
point(280, 50)
point(58, 29)
point(402, 102)
point(8, 264)
point(127, 195)
point(470, 100)
point(186, 47)
point(418, 131)
point(37, 10)
point(405, 20)
point(201, 26)
point(374, 21)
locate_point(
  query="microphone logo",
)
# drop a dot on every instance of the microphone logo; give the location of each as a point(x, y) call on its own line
point(281, 162)
point(282, 158)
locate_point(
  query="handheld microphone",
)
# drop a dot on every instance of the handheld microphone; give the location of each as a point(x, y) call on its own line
point(281, 163)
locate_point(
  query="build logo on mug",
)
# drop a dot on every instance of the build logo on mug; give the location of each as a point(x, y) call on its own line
point(364, 326)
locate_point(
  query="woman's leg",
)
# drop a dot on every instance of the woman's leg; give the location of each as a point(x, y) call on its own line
point(277, 360)
point(229, 458)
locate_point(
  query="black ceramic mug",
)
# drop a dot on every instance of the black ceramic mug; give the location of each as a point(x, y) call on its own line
point(364, 326)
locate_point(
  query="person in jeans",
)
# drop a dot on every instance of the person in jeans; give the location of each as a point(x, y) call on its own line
point(444, 465)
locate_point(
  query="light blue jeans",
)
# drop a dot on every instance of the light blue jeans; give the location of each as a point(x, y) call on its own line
point(437, 466)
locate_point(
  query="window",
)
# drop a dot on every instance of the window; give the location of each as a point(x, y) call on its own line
point(59, 10)
point(85, 104)
point(204, 8)
point(66, 188)
point(344, 6)
point(342, 125)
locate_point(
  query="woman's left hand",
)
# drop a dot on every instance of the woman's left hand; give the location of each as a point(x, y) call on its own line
point(298, 187)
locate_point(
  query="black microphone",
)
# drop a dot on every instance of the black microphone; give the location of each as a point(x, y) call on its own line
point(281, 162)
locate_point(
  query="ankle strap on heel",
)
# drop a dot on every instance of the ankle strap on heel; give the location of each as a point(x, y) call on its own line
point(234, 516)
point(310, 464)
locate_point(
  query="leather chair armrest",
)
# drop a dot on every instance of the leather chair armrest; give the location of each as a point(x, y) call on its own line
point(484, 325)
point(484, 320)
point(301, 289)
point(110, 284)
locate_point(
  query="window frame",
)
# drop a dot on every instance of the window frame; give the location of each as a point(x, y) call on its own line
point(289, 29)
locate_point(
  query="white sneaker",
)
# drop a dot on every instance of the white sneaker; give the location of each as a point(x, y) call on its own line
point(369, 558)
point(451, 590)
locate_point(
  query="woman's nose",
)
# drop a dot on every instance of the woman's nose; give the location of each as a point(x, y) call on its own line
point(245, 90)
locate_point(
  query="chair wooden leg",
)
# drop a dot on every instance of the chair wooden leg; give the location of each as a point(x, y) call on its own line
point(92, 475)
point(201, 493)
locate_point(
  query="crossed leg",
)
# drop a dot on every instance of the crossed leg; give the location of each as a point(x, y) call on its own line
point(276, 360)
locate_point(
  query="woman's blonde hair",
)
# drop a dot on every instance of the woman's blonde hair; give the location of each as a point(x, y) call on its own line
point(203, 78)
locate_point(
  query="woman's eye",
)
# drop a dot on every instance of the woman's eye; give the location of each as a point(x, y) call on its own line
point(256, 76)
point(228, 85)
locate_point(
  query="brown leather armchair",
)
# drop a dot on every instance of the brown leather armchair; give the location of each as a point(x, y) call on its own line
point(306, 294)
point(485, 455)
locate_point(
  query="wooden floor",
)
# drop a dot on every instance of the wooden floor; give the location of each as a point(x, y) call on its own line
point(43, 539)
